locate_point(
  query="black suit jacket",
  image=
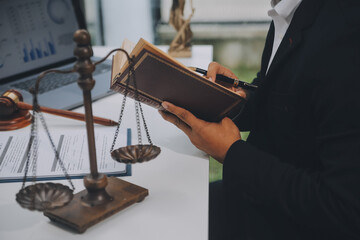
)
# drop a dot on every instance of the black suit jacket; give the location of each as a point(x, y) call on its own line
point(302, 156)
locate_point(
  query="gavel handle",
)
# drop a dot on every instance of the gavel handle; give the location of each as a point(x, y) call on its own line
point(67, 114)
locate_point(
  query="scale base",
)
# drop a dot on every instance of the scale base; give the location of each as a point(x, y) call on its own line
point(76, 215)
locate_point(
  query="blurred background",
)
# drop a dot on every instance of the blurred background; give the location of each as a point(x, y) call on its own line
point(235, 28)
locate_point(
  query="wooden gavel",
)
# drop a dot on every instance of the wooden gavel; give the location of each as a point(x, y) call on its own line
point(12, 101)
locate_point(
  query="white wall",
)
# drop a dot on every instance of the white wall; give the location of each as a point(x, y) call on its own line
point(129, 19)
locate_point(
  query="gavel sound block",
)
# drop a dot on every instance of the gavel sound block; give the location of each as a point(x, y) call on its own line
point(12, 117)
point(14, 113)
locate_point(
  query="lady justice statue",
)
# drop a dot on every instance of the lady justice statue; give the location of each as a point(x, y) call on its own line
point(181, 45)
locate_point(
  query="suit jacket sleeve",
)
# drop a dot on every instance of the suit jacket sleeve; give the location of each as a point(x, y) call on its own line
point(243, 121)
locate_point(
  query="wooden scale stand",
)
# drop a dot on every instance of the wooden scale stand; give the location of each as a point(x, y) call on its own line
point(103, 196)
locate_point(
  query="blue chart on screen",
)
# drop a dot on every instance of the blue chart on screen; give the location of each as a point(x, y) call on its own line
point(57, 10)
point(40, 49)
point(3, 54)
point(3, 60)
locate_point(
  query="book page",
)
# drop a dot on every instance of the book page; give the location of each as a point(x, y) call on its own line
point(143, 44)
point(120, 58)
point(128, 46)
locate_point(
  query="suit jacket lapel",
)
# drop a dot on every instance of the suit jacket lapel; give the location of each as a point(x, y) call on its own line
point(290, 41)
point(303, 17)
point(267, 50)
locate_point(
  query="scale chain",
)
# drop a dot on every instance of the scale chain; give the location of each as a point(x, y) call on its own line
point(119, 122)
point(141, 111)
point(35, 148)
point(137, 102)
point(138, 108)
point(29, 147)
point(121, 114)
point(138, 122)
point(55, 150)
point(145, 126)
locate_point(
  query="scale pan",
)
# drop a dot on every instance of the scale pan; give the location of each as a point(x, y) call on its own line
point(44, 196)
point(135, 153)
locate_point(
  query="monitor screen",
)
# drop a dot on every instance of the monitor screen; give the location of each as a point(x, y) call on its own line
point(35, 34)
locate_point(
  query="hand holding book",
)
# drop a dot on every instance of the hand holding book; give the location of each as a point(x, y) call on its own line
point(213, 138)
point(224, 76)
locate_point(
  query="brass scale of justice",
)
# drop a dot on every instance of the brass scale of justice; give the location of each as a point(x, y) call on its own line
point(103, 196)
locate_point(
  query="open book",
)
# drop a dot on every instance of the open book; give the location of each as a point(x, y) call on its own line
point(159, 77)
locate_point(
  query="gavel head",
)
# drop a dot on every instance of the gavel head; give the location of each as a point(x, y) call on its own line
point(8, 102)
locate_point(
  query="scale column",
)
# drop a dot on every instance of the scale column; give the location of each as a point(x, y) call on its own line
point(95, 183)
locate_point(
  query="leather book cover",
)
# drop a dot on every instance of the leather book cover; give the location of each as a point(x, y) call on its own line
point(159, 78)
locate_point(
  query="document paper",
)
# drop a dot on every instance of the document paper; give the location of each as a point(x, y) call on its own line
point(73, 150)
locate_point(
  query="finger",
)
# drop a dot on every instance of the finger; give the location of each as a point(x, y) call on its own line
point(176, 121)
point(240, 92)
point(182, 114)
point(213, 68)
point(226, 72)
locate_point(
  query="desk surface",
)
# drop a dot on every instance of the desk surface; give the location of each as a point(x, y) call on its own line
point(177, 205)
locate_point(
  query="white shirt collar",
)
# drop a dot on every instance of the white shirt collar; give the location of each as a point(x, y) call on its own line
point(285, 8)
point(282, 12)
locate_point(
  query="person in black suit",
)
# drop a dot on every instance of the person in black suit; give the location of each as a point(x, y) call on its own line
point(298, 174)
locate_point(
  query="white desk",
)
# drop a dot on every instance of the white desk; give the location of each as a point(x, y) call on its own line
point(177, 205)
